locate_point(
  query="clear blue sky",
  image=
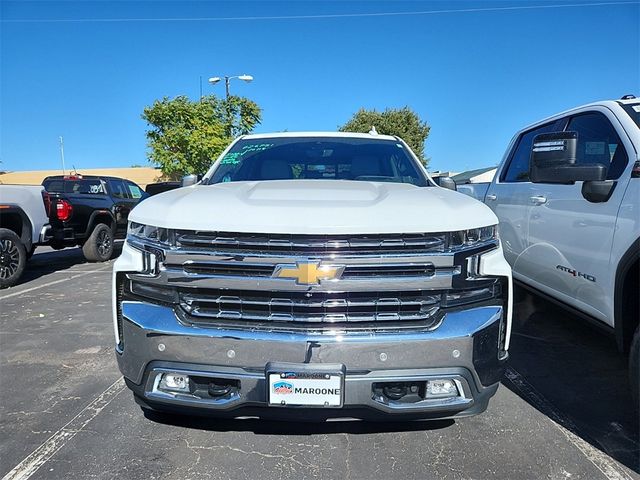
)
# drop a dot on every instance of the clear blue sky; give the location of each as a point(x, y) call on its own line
point(476, 73)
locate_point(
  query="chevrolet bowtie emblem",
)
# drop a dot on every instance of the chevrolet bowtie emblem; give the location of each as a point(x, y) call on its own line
point(309, 272)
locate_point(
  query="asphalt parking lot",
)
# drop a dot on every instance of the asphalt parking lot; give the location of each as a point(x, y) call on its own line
point(563, 411)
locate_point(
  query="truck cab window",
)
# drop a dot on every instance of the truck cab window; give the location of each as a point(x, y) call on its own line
point(518, 167)
point(117, 189)
point(93, 187)
point(598, 142)
point(54, 185)
point(135, 191)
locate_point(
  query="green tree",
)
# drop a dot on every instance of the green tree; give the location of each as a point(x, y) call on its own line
point(403, 122)
point(185, 137)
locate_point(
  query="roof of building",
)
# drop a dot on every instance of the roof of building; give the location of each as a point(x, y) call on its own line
point(465, 177)
point(142, 176)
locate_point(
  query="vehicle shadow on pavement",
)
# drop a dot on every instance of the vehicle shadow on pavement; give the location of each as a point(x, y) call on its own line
point(573, 373)
point(47, 261)
point(268, 427)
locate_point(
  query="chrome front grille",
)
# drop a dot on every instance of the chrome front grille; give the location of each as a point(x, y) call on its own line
point(229, 268)
point(253, 279)
point(310, 244)
point(203, 305)
point(237, 268)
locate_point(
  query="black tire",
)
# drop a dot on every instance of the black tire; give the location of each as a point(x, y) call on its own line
point(99, 245)
point(57, 245)
point(634, 368)
point(13, 258)
point(31, 252)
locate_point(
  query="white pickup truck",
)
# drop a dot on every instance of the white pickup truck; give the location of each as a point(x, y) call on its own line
point(313, 275)
point(23, 225)
point(567, 195)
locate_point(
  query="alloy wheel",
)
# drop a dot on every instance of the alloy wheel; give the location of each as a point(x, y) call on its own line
point(9, 259)
point(104, 243)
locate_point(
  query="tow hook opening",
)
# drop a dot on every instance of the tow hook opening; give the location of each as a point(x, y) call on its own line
point(414, 392)
point(221, 388)
point(215, 388)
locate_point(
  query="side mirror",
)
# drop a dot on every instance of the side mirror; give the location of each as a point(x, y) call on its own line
point(189, 180)
point(553, 160)
point(446, 182)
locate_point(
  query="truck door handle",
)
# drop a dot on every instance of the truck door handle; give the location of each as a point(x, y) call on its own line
point(492, 196)
point(538, 199)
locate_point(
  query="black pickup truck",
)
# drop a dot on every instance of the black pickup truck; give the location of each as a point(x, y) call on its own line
point(90, 211)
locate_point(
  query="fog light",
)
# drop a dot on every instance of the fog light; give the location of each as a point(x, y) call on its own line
point(441, 388)
point(175, 382)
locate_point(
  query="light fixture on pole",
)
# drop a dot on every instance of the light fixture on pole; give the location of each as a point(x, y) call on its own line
point(227, 81)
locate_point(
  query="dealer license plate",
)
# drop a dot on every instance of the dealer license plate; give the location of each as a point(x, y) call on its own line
point(305, 388)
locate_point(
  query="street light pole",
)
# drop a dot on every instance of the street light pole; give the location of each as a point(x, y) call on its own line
point(62, 153)
point(227, 82)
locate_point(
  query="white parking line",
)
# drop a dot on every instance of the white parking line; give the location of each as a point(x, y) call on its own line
point(73, 271)
point(600, 460)
point(81, 274)
point(48, 449)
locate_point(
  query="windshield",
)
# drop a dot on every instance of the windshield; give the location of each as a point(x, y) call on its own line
point(319, 158)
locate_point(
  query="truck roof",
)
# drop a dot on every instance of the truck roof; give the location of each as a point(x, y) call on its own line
point(370, 136)
point(611, 104)
point(626, 101)
point(80, 176)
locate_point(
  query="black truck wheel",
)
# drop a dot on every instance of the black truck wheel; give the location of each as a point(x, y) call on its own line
point(13, 258)
point(99, 245)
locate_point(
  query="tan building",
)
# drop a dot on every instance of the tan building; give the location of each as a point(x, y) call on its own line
point(139, 175)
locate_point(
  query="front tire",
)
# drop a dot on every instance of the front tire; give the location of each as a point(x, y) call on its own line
point(13, 258)
point(99, 245)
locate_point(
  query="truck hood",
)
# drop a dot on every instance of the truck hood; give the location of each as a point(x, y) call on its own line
point(313, 207)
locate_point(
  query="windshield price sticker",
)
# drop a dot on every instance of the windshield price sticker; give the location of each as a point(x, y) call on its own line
point(234, 158)
point(305, 389)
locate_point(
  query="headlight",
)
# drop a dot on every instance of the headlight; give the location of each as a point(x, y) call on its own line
point(149, 232)
point(474, 235)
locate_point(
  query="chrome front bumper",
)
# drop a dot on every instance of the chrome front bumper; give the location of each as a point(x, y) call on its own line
point(464, 347)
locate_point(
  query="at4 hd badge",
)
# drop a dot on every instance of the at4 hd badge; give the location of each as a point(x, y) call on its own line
point(575, 273)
